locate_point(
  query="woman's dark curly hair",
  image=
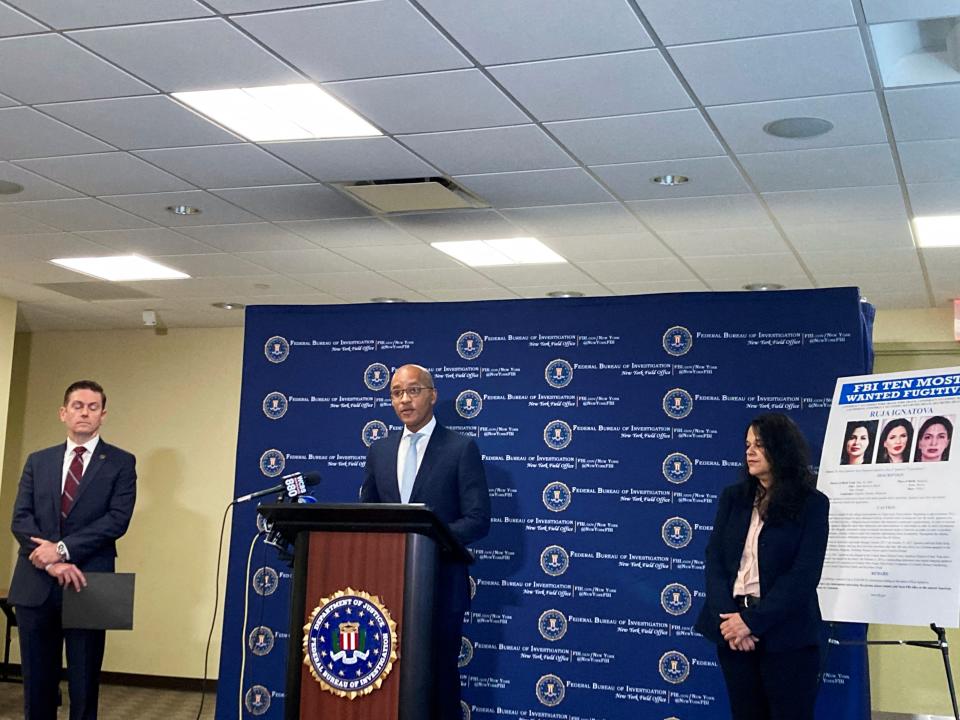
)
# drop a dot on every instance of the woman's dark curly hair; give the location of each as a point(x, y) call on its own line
point(789, 457)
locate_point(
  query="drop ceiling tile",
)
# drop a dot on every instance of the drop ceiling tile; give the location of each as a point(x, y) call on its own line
point(582, 248)
point(13, 224)
point(777, 67)
point(106, 174)
point(359, 286)
point(638, 138)
point(398, 257)
point(590, 219)
point(13, 22)
point(862, 236)
point(618, 271)
point(65, 15)
point(376, 158)
point(789, 282)
point(150, 242)
point(188, 55)
point(250, 237)
point(821, 168)
point(243, 6)
point(840, 261)
point(153, 206)
point(456, 100)
point(560, 275)
point(294, 202)
point(25, 293)
point(314, 297)
point(456, 225)
point(301, 262)
point(35, 187)
point(505, 31)
point(217, 265)
point(47, 246)
point(899, 301)
point(924, 113)
point(25, 133)
point(503, 149)
point(587, 289)
point(728, 241)
point(41, 271)
point(428, 280)
point(355, 40)
point(220, 288)
point(43, 68)
point(137, 123)
point(654, 287)
point(224, 166)
point(7, 102)
point(943, 264)
point(856, 121)
point(80, 214)
point(882, 11)
point(930, 160)
point(935, 198)
point(758, 267)
point(470, 295)
point(536, 187)
point(702, 213)
point(594, 86)
point(836, 205)
point(708, 176)
point(696, 21)
point(352, 232)
point(875, 283)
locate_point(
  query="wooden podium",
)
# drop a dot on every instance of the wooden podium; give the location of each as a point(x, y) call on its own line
point(389, 551)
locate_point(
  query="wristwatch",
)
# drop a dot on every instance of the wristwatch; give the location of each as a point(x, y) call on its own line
point(62, 550)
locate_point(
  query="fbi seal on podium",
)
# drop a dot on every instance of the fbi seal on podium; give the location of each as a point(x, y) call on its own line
point(350, 643)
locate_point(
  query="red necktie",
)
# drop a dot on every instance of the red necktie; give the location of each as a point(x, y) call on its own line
point(72, 485)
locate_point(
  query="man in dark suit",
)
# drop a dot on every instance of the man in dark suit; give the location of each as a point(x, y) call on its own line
point(73, 502)
point(430, 464)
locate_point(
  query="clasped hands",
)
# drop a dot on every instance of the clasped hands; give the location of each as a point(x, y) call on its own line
point(45, 557)
point(735, 631)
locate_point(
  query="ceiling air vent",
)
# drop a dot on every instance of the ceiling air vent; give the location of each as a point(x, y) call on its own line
point(412, 194)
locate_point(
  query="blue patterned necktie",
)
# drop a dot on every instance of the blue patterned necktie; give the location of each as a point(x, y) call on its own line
point(409, 468)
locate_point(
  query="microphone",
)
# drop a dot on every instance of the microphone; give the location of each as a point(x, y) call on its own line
point(294, 485)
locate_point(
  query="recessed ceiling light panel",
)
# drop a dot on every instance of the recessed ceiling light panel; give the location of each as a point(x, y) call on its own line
point(120, 268)
point(798, 128)
point(506, 251)
point(937, 231)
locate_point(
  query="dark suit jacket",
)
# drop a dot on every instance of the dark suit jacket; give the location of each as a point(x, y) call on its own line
point(790, 556)
point(451, 482)
point(100, 515)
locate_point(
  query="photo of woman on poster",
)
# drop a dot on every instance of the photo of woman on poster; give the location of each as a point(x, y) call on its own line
point(895, 442)
point(933, 440)
point(858, 442)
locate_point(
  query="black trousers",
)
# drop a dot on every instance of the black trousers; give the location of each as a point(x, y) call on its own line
point(446, 652)
point(41, 649)
point(771, 685)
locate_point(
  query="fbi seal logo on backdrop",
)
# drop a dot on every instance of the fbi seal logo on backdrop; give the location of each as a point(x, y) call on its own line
point(676, 599)
point(275, 405)
point(266, 581)
point(554, 560)
point(473, 587)
point(277, 349)
point(557, 434)
point(257, 700)
point(469, 345)
point(466, 652)
point(464, 710)
point(552, 625)
point(373, 431)
point(558, 373)
point(469, 404)
point(272, 462)
point(550, 690)
point(677, 468)
point(261, 640)
point(350, 643)
point(556, 497)
point(674, 667)
point(677, 403)
point(677, 533)
point(677, 341)
point(376, 377)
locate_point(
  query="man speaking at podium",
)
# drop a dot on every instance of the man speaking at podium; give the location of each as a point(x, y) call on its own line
point(442, 469)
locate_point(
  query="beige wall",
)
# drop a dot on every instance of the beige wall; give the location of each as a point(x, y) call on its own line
point(8, 328)
point(174, 401)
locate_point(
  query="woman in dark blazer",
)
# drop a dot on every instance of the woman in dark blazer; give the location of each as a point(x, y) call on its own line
point(763, 565)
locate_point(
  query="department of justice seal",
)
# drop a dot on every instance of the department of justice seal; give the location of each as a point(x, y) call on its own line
point(677, 341)
point(265, 581)
point(552, 625)
point(677, 468)
point(373, 431)
point(676, 532)
point(676, 599)
point(469, 404)
point(350, 643)
point(376, 377)
point(557, 434)
point(558, 373)
point(257, 700)
point(466, 652)
point(464, 710)
point(554, 560)
point(275, 405)
point(550, 690)
point(277, 349)
point(469, 345)
point(677, 403)
point(272, 462)
point(556, 496)
point(260, 640)
point(674, 667)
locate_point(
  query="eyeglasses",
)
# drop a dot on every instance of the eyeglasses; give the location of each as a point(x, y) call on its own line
point(412, 392)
